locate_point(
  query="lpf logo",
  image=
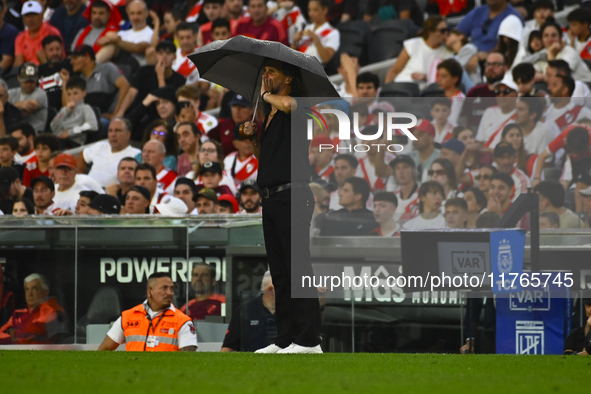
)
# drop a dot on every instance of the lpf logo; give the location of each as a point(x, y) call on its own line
point(529, 337)
point(345, 128)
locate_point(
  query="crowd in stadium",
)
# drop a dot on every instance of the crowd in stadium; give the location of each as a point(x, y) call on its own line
point(507, 89)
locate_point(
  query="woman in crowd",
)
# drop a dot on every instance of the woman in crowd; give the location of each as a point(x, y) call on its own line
point(417, 61)
point(476, 201)
point(513, 134)
point(319, 38)
point(509, 39)
point(431, 197)
point(23, 207)
point(160, 130)
point(443, 172)
point(211, 150)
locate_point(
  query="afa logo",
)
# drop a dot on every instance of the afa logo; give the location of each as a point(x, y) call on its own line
point(505, 257)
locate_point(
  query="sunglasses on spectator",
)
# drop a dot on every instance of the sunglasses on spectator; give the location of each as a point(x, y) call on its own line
point(483, 177)
point(156, 132)
point(504, 91)
point(436, 172)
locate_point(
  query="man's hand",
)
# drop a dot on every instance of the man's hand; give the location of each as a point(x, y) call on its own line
point(62, 212)
point(248, 130)
point(64, 134)
point(112, 37)
point(418, 76)
point(155, 18)
point(113, 188)
point(64, 76)
point(160, 69)
point(555, 49)
point(266, 86)
point(150, 98)
point(494, 205)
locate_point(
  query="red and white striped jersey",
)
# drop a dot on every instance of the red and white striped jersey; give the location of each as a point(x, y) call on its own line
point(443, 135)
point(156, 200)
point(367, 171)
point(166, 180)
point(407, 208)
point(194, 13)
point(326, 172)
point(522, 182)
point(185, 67)
point(241, 170)
point(205, 122)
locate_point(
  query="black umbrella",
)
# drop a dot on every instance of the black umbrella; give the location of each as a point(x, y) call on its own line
point(237, 64)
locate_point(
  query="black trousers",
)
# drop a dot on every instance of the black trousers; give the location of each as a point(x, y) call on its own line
point(286, 227)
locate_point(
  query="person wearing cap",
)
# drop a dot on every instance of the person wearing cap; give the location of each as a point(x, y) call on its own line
point(68, 190)
point(134, 41)
point(31, 100)
point(452, 150)
point(528, 116)
point(69, 20)
point(206, 201)
point(43, 193)
point(211, 175)
point(75, 119)
point(153, 153)
point(145, 175)
point(227, 204)
point(321, 154)
point(159, 104)
point(497, 117)
point(404, 185)
point(27, 47)
point(345, 166)
point(578, 341)
point(106, 87)
point(224, 132)
point(172, 206)
point(137, 201)
point(104, 204)
point(185, 189)
point(250, 197)
point(151, 77)
point(424, 152)
point(242, 163)
point(11, 189)
point(384, 209)
point(104, 17)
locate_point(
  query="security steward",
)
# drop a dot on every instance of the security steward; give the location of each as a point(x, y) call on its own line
point(154, 326)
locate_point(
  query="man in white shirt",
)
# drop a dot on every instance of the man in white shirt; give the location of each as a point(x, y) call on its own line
point(536, 134)
point(496, 118)
point(105, 156)
point(564, 109)
point(185, 189)
point(153, 153)
point(43, 194)
point(68, 190)
point(135, 40)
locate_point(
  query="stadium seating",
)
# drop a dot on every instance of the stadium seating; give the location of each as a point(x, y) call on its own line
point(400, 89)
point(385, 43)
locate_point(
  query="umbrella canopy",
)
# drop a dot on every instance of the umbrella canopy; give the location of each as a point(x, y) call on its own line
point(237, 64)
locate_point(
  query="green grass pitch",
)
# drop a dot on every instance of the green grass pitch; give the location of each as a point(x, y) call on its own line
point(120, 372)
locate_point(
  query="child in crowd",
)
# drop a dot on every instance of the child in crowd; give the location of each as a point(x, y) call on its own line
point(45, 144)
point(578, 31)
point(211, 176)
point(440, 111)
point(449, 77)
point(76, 119)
point(8, 148)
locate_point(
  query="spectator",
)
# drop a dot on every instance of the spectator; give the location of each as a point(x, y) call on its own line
point(211, 151)
point(172, 18)
point(416, 61)
point(145, 175)
point(86, 197)
point(457, 42)
point(449, 77)
point(234, 10)
point(463, 134)
point(104, 18)
point(289, 15)
point(475, 203)
point(151, 77)
point(384, 207)
point(221, 29)
point(496, 118)
point(31, 100)
point(242, 164)
point(321, 157)
point(509, 39)
point(563, 110)
point(443, 172)
point(11, 189)
point(27, 47)
point(366, 88)
point(23, 207)
point(9, 114)
point(25, 134)
point(452, 150)
point(45, 144)
point(250, 197)
point(549, 220)
point(224, 132)
point(106, 87)
point(319, 38)
point(524, 76)
point(186, 190)
point(482, 25)
point(227, 205)
point(43, 321)
point(494, 71)
point(211, 175)
point(49, 72)
point(43, 194)
point(425, 152)
point(345, 167)
point(66, 195)
point(456, 213)
point(528, 115)
point(137, 201)
point(206, 301)
point(76, 119)
point(8, 34)
point(189, 139)
point(160, 130)
point(552, 200)
point(8, 148)
point(440, 111)
point(542, 10)
point(153, 153)
point(213, 10)
point(125, 179)
point(373, 167)
point(104, 204)
point(164, 100)
point(134, 41)
point(560, 67)
point(187, 43)
point(500, 191)
point(513, 134)
point(191, 94)
point(242, 337)
point(206, 201)
point(105, 156)
point(579, 21)
point(68, 19)
point(259, 25)
point(579, 340)
point(172, 206)
point(354, 218)
point(404, 176)
point(431, 196)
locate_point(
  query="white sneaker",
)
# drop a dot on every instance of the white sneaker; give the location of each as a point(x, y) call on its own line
point(272, 348)
point(297, 349)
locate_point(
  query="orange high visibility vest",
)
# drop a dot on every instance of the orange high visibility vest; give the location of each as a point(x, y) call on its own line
point(163, 330)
